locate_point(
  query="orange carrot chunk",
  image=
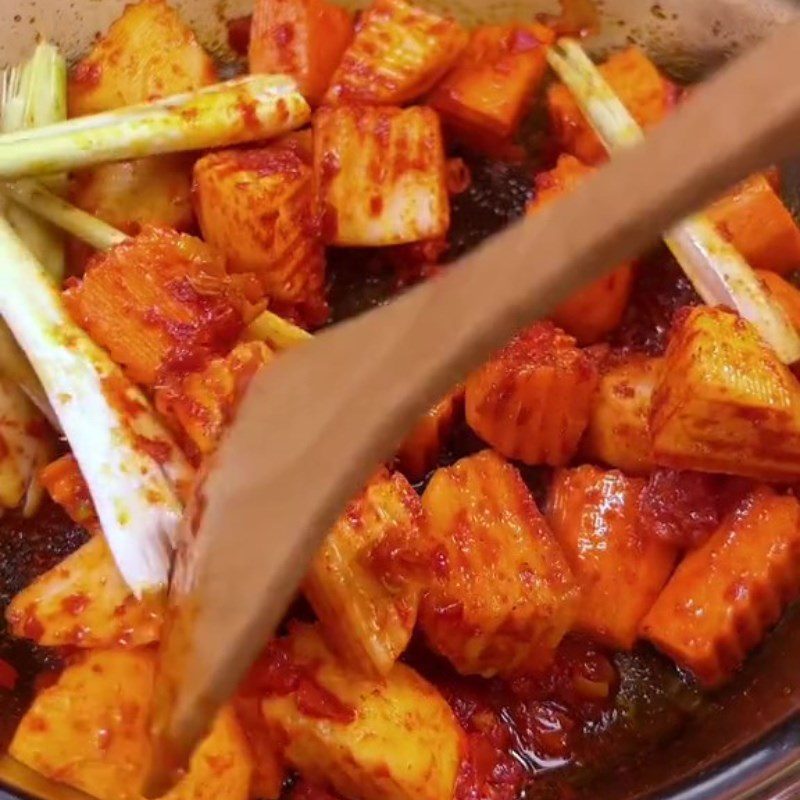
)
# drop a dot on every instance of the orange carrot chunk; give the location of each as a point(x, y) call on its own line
point(618, 433)
point(160, 303)
point(531, 400)
point(502, 595)
point(398, 54)
point(594, 311)
point(787, 296)
point(724, 402)
point(646, 93)
point(595, 517)
point(380, 175)
point(488, 92)
point(66, 486)
point(302, 38)
point(755, 220)
point(203, 403)
point(421, 448)
point(257, 208)
point(726, 594)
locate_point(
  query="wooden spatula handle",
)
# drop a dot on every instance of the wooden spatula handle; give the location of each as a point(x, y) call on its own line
point(315, 425)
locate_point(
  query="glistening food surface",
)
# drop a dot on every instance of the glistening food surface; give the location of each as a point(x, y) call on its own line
point(569, 555)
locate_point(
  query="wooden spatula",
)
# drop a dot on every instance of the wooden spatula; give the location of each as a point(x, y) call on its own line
point(316, 424)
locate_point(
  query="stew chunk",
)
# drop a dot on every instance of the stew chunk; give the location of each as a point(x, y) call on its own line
point(399, 52)
point(389, 739)
point(503, 594)
point(531, 400)
point(363, 584)
point(724, 402)
point(595, 517)
point(257, 208)
point(724, 595)
point(380, 175)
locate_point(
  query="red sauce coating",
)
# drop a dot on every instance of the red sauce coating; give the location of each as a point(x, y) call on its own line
point(684, 508)
point(277, 673)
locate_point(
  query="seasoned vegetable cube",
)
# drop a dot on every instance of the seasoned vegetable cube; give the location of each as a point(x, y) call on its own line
point(66, 486)
point(203, 403)
point(131, 195)
point(487, 93)
point(531, 400)
point(84, 602)
point(147, 53)
point(618, 432)
point(421, 448)
point(595, 517)
point(399, 52)
point(755, 220)
point(784, 293)
point(301, 38)
point(380, 175)
point(594, 311)
point(503, 595)
point(389, 739)
point(257, 208)
point(357, 585)
point(90, 731)
point(646, 93)
point(724, 402)
point(160, 303)
point(724, 595)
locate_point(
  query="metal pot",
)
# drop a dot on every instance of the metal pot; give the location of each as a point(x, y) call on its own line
point(746, 743)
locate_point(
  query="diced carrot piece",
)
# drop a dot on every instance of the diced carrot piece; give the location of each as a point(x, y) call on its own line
point(160, 303)
point(488, 92)
point(531, 400)
point(380, 175)
point(786, 295)
point(399, 52)
point(646, 93)
point(503, 594)
point(203, 403)
point(421, 448)
point(357, 585)
point(754, 219)
point(618, 432)
point(724, 402)
point(257, 208)
point(389, 738)
point(84, 602)
point(595, 517)
point(147, 53)
point(133, 194)
point(594, 311)
point(724, 595)
point(64, 482)
point(302, 38)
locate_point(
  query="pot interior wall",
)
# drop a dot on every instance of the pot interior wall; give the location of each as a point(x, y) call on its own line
point(686, 36)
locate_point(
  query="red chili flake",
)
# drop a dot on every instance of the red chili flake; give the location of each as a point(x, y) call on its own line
point(317, 701)
point(8, 676)
point(75, 604)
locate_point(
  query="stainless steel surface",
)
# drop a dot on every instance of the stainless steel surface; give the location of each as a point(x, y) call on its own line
point(747, 743)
